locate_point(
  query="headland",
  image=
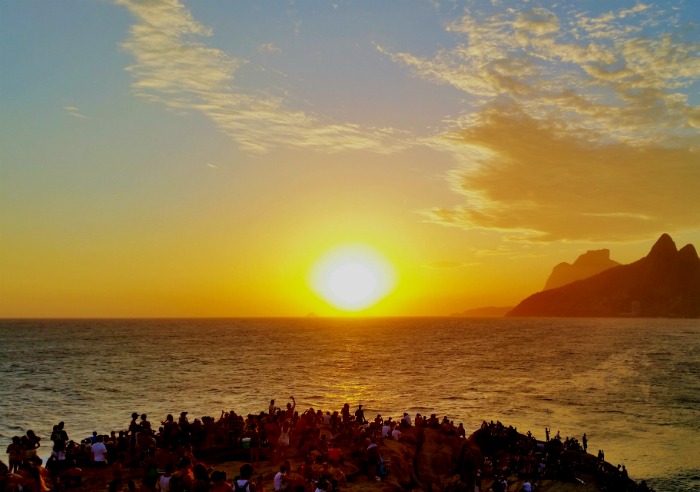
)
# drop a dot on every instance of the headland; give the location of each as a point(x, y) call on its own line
point(310, 450)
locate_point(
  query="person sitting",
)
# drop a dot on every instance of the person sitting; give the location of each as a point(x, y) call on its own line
point(395, 433)
point(243, 482)
point(218, 482)
point(280, 480)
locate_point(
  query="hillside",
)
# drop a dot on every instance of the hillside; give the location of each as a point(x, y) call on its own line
point(588, 264)
point(665, 283)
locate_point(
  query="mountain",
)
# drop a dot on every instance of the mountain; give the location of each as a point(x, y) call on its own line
point(588, 264)
point(484, 312)
point(665, 283)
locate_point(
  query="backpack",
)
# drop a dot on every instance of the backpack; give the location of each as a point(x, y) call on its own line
point(240, 488)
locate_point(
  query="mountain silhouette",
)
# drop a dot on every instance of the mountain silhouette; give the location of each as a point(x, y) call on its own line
point(588, 264)
point(665, 283)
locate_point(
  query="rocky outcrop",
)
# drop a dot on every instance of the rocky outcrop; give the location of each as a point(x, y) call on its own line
point(665, 283)
point(588, 264)
point(429, 459)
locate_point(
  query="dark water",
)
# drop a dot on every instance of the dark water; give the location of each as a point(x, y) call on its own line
point(632, 385)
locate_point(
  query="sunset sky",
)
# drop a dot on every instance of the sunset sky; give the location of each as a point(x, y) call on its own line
point(167, 158)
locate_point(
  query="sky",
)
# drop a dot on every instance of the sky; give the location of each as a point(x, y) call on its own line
point(164, 158)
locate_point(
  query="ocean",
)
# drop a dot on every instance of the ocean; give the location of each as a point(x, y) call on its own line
point(632, 385)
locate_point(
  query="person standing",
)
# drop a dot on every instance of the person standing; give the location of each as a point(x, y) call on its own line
point(14, 450)
point(360, 415)
point(59, 437)
point(584, 441)
point(99, 452)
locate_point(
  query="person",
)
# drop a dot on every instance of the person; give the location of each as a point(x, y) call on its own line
point(360, 415)
point(14, 450)
point(99, 452)
point(255, 443)
point(201, 481)
point(170, 430)
point(290, 409)
point(373, 459)
point(134, 429)
point(183, 422)
point(59, 437)
point(345, 413)
point(584, 441)
point(31, 443)
point(386, 428)
point(527, 486)
point(321, 486)
point(272, 408)
point(163, 483)
point(283, 440)
point(546, 434)
point(243, 483)
point(218, 482)
point(280, 481)
point(396, 433)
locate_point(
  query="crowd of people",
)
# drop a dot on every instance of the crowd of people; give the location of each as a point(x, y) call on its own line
point(557, 458)
point(168, 453)
point(171, 456)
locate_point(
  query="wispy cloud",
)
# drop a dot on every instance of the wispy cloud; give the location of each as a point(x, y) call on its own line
point(571, 118)
point(175, 67)
point(74, 111)
point(269, 48)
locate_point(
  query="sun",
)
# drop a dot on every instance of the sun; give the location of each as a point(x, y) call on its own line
point(352, 278)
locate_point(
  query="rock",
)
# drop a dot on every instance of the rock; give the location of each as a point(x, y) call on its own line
point(665, 283)
point(588, 264)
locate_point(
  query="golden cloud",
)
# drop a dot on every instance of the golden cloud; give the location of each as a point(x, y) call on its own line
point(534, 182)
point(175, 68)
point(579, 134)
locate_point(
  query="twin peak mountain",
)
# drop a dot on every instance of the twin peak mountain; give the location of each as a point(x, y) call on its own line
point(665, 283)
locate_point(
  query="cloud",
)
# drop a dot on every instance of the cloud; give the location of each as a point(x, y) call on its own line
point(75, 112)
point(533, 182)
point(570, 121)
point(269, 48)
point(174, 67)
